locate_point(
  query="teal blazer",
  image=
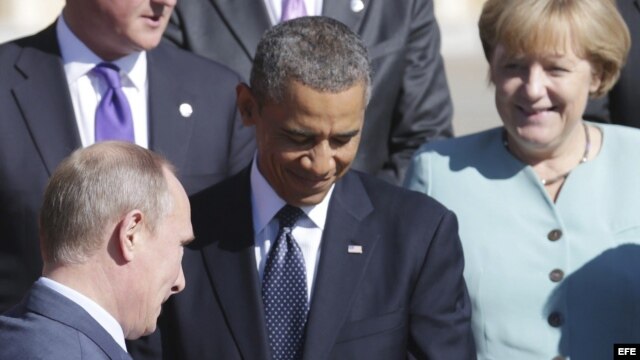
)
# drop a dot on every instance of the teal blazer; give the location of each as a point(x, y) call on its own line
point(545, 278)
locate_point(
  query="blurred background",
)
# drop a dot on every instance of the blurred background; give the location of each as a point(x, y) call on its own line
point(465, 65)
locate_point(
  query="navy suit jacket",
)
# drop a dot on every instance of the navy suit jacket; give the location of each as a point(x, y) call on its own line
point(38, 129)
point(410, 102)
point(47, 325)
point(403, 297)
point(622, 104)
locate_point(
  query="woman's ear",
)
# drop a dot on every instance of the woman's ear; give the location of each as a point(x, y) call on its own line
point(596, 81)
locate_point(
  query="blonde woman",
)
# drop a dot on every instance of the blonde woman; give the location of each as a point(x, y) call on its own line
point(548, 204)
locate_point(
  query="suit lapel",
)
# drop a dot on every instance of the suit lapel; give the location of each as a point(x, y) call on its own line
point(44, 99)
point(248, 20)
point(49, 303)
point(169, 131)
point(231, 265)
point(341, 10)
point(339, 271)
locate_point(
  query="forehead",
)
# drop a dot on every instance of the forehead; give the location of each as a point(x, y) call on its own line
point(306, 107)
point(501, 54)
point(556, 35)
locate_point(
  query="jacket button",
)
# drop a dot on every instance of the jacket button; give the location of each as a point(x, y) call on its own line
point(555, 319)
point(556, 275)
point(554, 235)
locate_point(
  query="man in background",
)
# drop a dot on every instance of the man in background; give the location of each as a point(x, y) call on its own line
point(100, 72)
point(113, 225)
point(621, 105)
point(410, 102)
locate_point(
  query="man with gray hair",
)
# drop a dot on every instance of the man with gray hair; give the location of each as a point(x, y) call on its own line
point(410, 102)
point(112, 226)
point(298, 257)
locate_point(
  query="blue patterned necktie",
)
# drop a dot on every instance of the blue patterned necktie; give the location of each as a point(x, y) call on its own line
point(113, 115)
point(284, 290)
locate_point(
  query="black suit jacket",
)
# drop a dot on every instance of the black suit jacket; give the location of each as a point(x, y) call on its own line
point(410, 103)
point(38, 129)
point(47, 325)
point(622, 104)
point(403, 297)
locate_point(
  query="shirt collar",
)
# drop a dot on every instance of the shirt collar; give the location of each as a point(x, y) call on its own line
point(106, 320)
point(78, 59)
point(266, 203)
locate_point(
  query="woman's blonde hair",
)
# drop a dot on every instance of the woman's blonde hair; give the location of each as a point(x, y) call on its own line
point(595, 28)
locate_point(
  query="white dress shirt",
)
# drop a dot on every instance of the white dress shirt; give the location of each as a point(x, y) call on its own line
point(307, 232)
point(274, 8)
point(99, 314)
point(86, 89)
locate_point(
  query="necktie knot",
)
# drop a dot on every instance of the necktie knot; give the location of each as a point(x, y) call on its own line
point(110, 73)
point(113, 114)
point(288, 215)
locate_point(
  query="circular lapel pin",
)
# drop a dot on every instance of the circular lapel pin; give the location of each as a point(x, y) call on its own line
point(185, 110)
point(357, 5)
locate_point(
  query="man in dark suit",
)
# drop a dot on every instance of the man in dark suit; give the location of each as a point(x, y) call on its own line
point(622, 104)
point(299, 257)
point(410, 102)
point(182, 106)
point(113, 225)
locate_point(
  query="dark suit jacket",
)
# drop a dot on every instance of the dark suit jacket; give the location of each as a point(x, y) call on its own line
point(622, 104)
point(38, 129)
point(47, 325)
point(404, 297)
point(410, 103)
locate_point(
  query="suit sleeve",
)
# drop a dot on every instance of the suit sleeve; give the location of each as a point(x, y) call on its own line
point(440, 324)
point(423, 109)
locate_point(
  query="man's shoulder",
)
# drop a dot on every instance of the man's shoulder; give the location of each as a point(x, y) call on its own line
point(25, 334)
point(188, 64)
point(11, 48)
point(45, 40)
point(391, 198)
point(39, 43)
point(47, 325)
point(215, 201)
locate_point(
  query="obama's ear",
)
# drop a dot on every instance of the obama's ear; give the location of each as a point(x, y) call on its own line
point(247, 104)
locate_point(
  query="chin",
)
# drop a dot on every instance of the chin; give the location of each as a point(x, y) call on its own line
point(150, 330)
point(310, 200)
point(147, 331)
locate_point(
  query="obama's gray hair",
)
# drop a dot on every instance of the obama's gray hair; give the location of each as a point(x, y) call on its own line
point(316, 51)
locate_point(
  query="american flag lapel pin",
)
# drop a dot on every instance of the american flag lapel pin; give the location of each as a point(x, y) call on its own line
point(354, 249)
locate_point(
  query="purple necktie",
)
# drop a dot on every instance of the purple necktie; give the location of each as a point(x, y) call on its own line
point(113, 115)
point(292, 9)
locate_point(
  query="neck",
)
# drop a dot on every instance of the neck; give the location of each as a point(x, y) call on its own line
point(88, 278)
point(99, 45)
point(554, 164)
